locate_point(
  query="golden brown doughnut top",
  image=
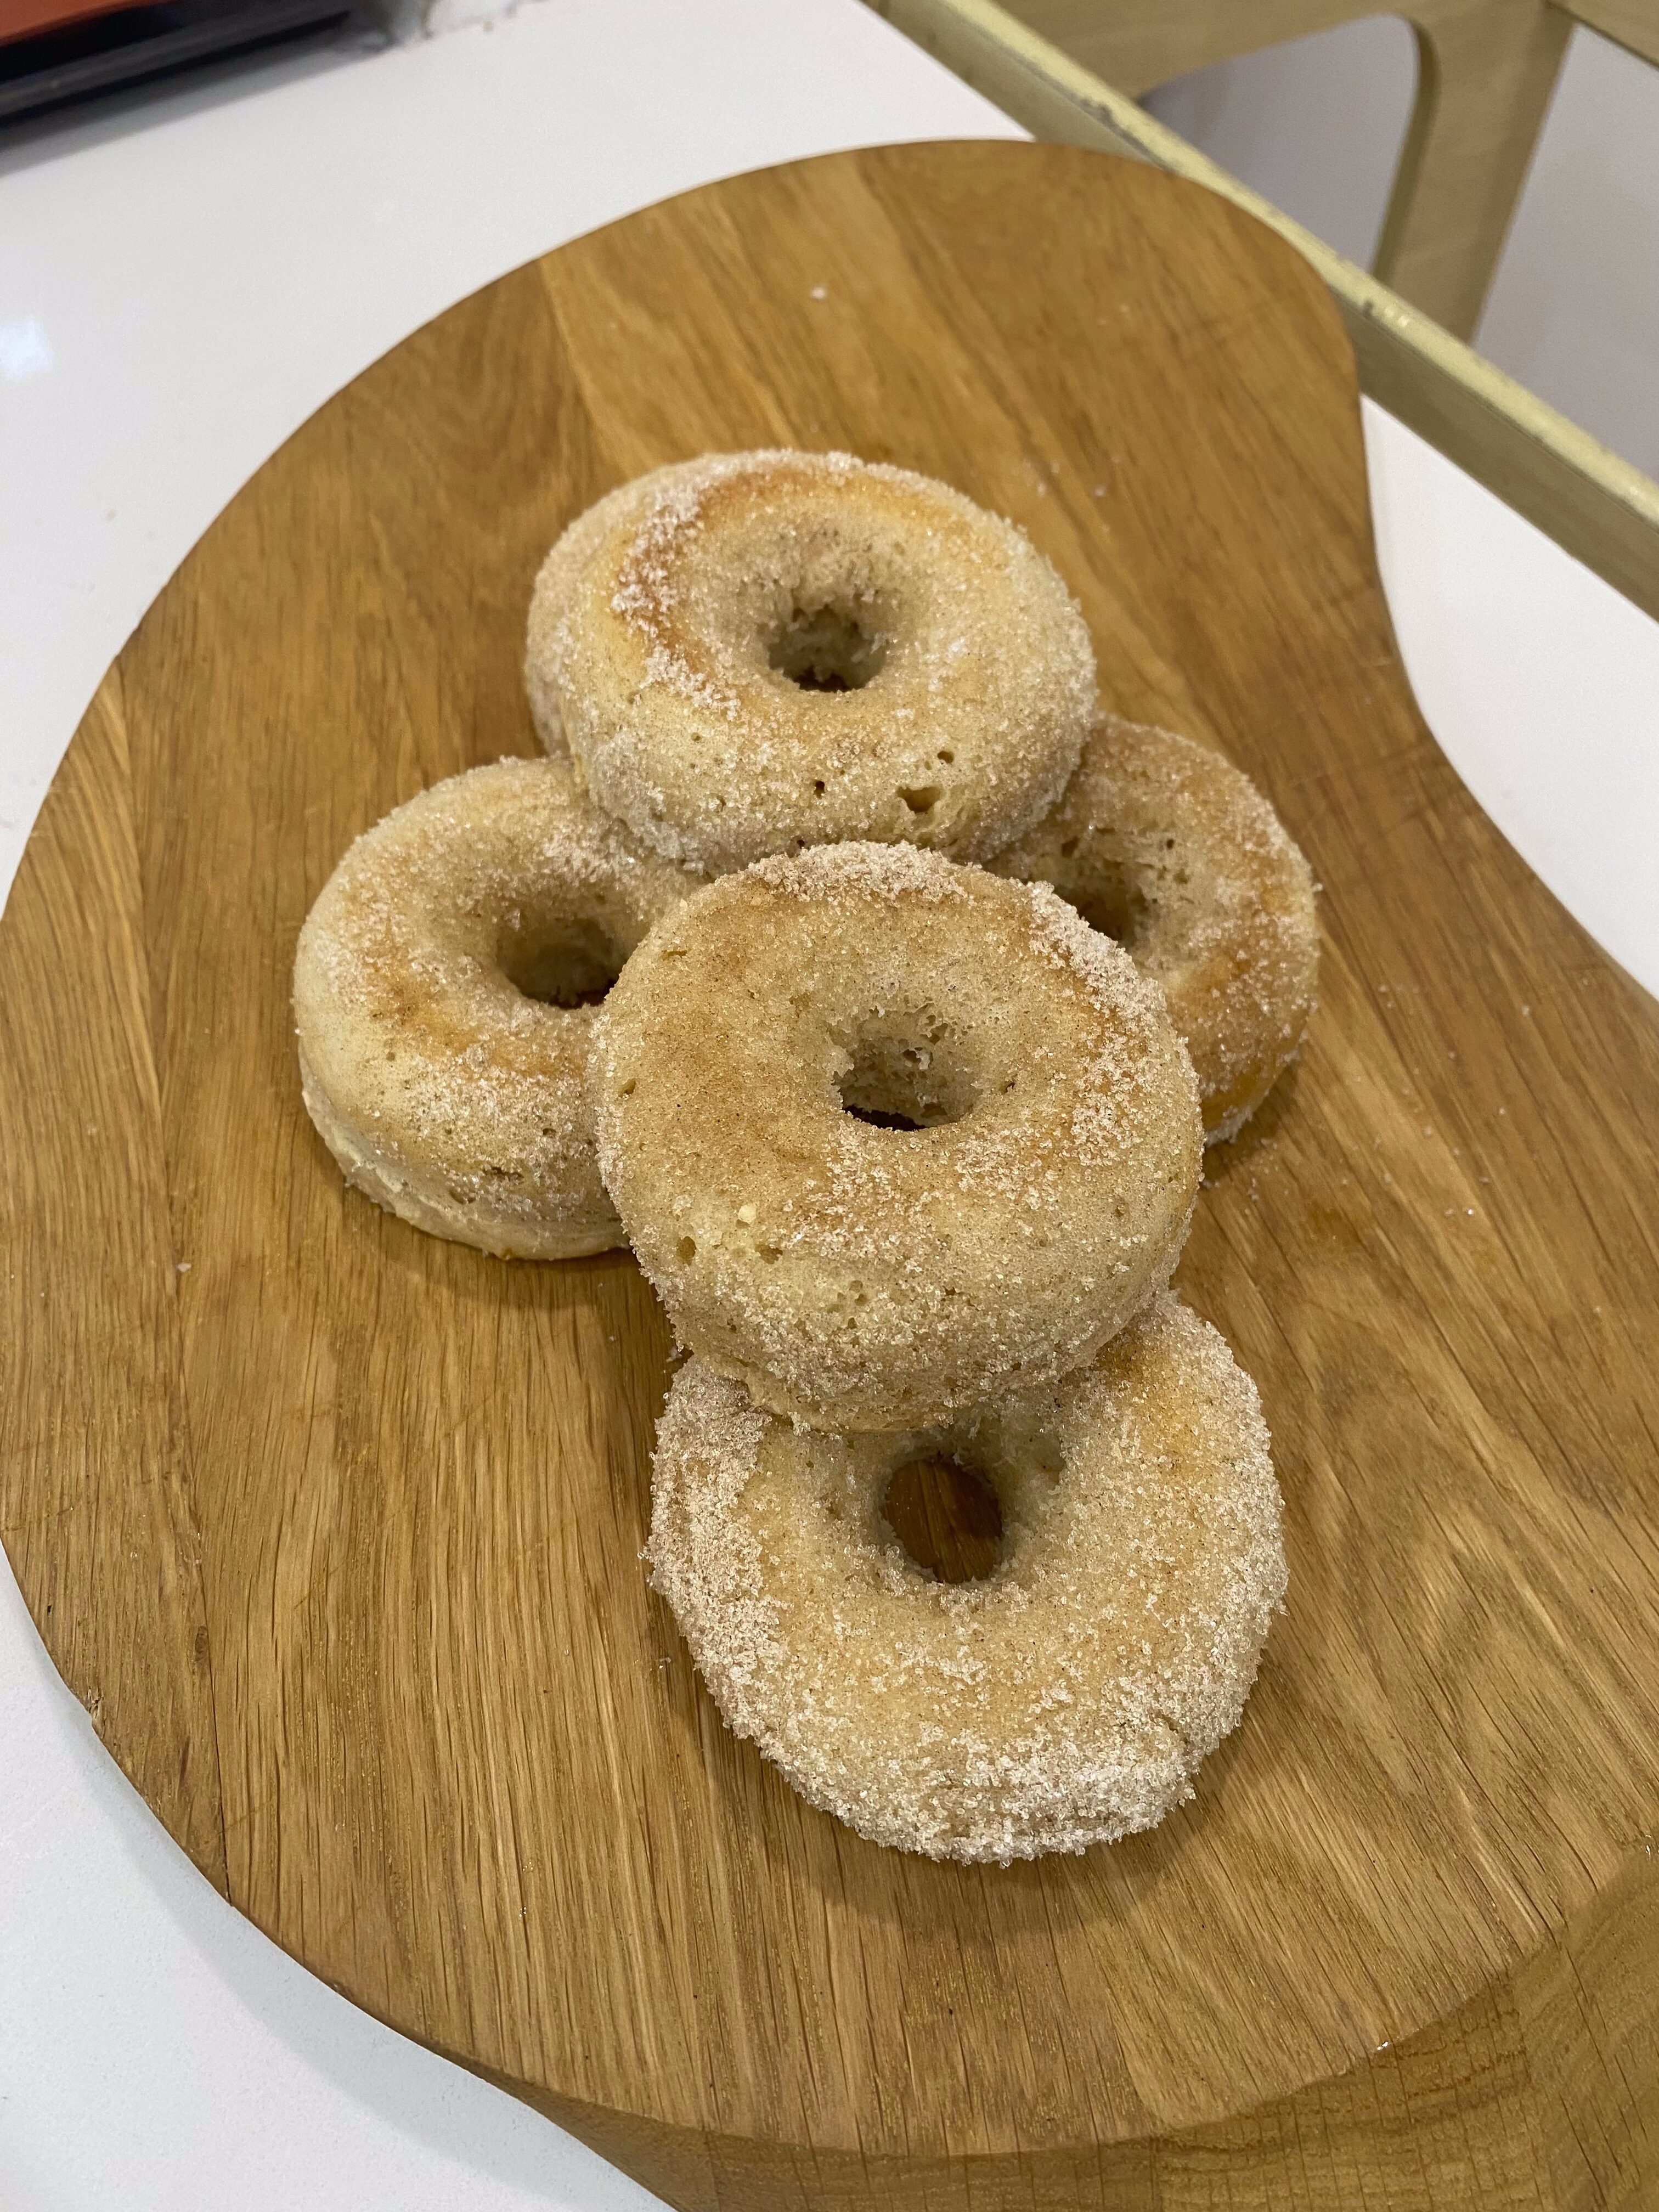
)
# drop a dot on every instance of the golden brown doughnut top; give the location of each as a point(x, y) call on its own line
point(1063, 1700)
point(751, 652)
point(1172, 851)
point(1036, 1191)
point(443, 986)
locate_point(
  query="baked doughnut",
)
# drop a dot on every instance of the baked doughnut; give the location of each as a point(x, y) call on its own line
point(754, 652)
point(442, 994)
point(1175, 853)
point(1063, 1700)
point(1031, 1185)
point(556, 587)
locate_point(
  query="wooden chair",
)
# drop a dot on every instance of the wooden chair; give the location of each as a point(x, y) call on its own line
point(1486, 71)
point(1597, 504)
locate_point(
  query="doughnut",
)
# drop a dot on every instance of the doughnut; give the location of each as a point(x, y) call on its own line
point(1173, 852)
point(441, 996)
point(889, 1135)
point(1063, 1700)
point(750, 652)
point(556, 583)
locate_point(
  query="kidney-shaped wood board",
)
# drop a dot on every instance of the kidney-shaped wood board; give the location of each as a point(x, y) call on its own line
point(335, 1529)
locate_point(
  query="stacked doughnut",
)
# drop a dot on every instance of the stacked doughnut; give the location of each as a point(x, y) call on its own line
point(923, 983)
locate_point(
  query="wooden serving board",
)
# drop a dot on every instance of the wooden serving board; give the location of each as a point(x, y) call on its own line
point(335, 1529)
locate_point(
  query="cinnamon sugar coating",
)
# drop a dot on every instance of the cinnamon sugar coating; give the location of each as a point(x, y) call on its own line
point(1065, 1700)
point(1173, 852)
point(445, 1086)
point(556, 584)
point(750, 653)
point(858, 1276)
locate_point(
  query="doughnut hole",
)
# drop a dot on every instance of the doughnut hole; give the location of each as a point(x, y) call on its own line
point(562, 961)
point(1112, 902)
point(904, 1074)
point(830, 648)
point(947, 1517)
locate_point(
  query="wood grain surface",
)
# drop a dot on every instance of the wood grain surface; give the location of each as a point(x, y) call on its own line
point(335, 1529)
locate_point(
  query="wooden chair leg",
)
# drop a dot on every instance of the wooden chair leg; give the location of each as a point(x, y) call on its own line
point(1486, 75)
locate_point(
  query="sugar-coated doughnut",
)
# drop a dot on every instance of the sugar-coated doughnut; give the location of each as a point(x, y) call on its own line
point(564, 568)
point(1036, 1191)
point(441, 995)
point(1173, 852)
point(1065, 1700)
point(750, 653)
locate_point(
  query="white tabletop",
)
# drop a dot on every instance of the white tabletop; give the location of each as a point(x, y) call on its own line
point(180, 287)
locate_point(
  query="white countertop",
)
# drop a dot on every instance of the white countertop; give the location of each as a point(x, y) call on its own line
point(180, 285)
